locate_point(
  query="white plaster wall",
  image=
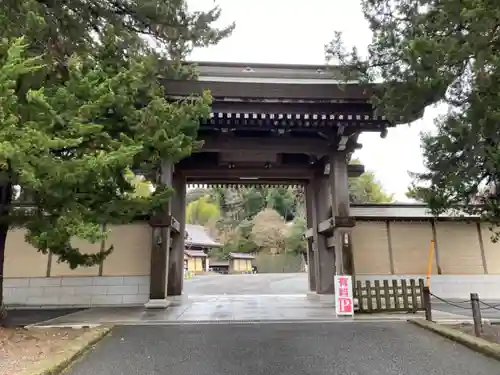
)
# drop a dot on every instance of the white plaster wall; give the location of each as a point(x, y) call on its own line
point(77, 291)
point(452, 286)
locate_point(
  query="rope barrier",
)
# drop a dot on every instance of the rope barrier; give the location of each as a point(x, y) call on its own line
point(458, 304)
point(475, 306)
point(489, 307)
point(455, 304)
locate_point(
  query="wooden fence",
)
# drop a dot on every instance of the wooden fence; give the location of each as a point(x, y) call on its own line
point(391, 296)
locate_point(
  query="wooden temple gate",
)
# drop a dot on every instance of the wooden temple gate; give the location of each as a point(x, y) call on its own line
point(265, 130)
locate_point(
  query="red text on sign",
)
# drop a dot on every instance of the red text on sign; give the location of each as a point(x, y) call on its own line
point(343, 291)
point(343, 281)
point(345, 305)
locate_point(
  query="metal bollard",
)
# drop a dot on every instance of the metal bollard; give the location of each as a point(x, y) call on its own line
point(476, 314)
point(427, 304)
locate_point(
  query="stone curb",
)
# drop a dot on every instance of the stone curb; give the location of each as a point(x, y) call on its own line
point(475, 343)
point(59, 363)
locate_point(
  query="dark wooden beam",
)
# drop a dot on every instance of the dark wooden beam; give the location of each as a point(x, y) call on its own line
point(331, 241)
point(355, 170)
point(175, 225)
point(326, 225)
point(161, 235)
point(165, 221)
point(296, 127)
point(243, 174)
point(277, 144)
point(290, 107)
point(268, 91)
point(234, 183)
point(197, 168)
point(304, 123)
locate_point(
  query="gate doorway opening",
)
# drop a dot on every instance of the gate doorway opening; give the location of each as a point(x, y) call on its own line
point(253, 233)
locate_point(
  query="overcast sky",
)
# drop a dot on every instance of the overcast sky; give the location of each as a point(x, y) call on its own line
point(295, 32)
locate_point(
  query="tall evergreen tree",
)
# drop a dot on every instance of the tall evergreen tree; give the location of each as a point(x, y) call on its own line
point(60, 28)
point(82, 104)
point(440, 51)
point(366, 189)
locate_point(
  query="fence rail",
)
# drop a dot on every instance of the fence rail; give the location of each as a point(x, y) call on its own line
point(391, 296)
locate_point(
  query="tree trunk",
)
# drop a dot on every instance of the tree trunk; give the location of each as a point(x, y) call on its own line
point(5, 202)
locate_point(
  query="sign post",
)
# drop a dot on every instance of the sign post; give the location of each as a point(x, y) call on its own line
point(344, 298)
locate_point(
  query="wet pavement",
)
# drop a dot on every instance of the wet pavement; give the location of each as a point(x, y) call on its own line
point(230, 309)
point(232, 298)
point(222, 298)
point(214, 308)
point(297, 283)
point(275, 349)
point(252, 284)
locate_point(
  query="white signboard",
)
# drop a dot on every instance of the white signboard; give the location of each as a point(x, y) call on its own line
point(344, 298)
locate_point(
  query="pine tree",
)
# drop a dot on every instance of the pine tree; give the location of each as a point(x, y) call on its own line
point(82, 104)
point(445, 52)
point(58, 144)
point(60, 28)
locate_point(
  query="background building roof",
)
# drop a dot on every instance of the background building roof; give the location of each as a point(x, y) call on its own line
point(195, 253)
point(263, 72)
point(241, 256)
point(197, 235)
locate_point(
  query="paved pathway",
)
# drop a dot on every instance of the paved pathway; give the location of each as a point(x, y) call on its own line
point(281, 349)
point(259, 297)
point(225, 309)
point(230, 298)
point(261, 283)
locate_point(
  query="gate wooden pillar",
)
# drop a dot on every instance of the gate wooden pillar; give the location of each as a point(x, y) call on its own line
point(176, 260)
point(311, 262)
point(324, 257)
point(160, 247)
point(339, 186)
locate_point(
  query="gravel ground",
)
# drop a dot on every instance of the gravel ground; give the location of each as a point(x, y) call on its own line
point(20, 348)
point(23, 317)
point(490, 332)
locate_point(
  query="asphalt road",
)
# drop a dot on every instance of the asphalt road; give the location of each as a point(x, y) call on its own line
point(275, 349)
